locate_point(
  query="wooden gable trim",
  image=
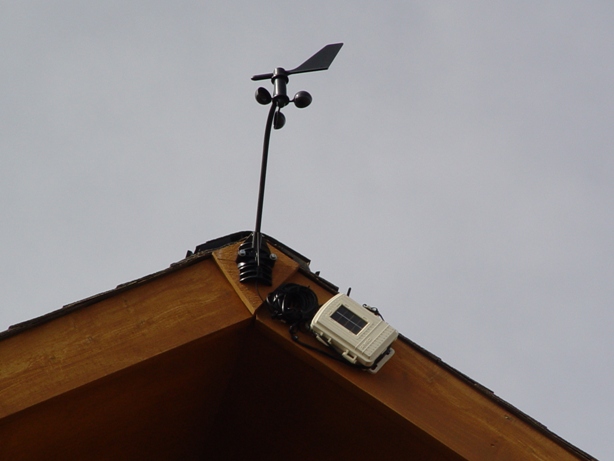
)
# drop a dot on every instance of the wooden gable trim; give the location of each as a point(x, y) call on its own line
point(115, 333)
point(422, 394)
point(198, 311)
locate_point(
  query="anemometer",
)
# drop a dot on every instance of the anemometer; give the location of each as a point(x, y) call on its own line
point(254, 260)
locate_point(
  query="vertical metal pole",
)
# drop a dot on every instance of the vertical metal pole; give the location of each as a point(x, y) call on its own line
point(265, 157)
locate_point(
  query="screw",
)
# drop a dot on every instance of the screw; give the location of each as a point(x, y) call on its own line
point(242, 252)
point(273, 257)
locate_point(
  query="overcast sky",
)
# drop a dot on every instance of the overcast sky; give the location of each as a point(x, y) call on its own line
point(455, 169)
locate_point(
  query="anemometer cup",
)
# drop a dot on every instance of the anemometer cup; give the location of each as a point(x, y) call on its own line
point(263, 96)
point(302, 99)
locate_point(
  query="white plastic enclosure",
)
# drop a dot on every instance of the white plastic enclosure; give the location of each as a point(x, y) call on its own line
point(356, 332)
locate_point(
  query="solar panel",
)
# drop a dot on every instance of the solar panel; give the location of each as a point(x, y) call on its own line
point(348, 319)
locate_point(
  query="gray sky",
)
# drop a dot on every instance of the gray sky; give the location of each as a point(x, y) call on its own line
point(455, 169)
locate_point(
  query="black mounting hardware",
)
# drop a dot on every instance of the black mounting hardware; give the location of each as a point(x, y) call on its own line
point(255, 261)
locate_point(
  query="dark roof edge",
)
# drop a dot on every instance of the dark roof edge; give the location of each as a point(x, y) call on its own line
point(302, 261)
point(214, 244)
point(499, 401)
point(201, 252)
point(68, 308)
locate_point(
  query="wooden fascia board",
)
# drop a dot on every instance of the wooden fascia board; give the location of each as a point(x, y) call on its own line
point(416, 390)
point(83, 303)
point(115, 333)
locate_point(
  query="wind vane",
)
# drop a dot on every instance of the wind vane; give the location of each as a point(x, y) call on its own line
point(255, 261)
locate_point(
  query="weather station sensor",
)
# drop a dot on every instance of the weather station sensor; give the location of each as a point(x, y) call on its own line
point(360, 336)
point(254, 259)
point(353, 333)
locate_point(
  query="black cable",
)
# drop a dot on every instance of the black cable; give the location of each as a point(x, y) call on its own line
point(295, 338)
point(375, 310)
point(293, 304)
point(296, 305)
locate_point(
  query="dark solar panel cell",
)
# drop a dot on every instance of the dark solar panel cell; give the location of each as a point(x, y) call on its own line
point(348, 319)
